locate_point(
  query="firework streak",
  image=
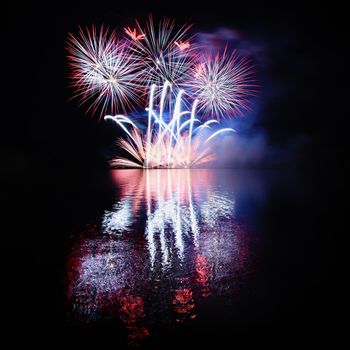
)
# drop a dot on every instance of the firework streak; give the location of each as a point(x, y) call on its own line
point(116, 74)
point(176, 143)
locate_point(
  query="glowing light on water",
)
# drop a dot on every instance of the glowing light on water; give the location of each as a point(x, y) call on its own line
point(216, 206)
point(170, 207)
point(180, 245)
point(119, 219)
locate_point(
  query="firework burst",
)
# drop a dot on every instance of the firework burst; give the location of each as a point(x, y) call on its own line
point(167, 53)
point(114, 74)
point(222, 84)
point(104, 72)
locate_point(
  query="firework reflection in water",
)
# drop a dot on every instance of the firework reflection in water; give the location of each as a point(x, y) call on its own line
point(155, 269)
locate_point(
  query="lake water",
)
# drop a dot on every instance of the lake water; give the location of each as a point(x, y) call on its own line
point(181, 253)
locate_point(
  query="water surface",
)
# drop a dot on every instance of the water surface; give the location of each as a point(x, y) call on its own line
point(178, 257)
point(172, 253)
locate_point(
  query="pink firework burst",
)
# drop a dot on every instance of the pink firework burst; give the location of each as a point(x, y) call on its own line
point(222, 84)
point(104, 71)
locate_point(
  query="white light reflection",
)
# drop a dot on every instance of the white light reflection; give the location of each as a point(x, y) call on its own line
point(177, 241)
point(119, 219)
point(216, 206)
point(173, 214)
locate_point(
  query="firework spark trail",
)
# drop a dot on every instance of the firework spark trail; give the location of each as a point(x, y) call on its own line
point(222, 84)
point(166, 53)
point(103, 70)
point(171, 145)
point(115, 74)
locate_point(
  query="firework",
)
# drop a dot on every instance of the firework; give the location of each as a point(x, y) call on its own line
point(166, 53)
point(221, 84)
point(104, 71)
point(114, 75)
point(178, 143)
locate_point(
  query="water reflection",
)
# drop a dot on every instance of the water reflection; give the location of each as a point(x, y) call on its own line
point(170, 242)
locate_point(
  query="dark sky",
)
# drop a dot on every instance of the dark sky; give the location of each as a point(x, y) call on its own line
point(297, 72)
point(48, 139)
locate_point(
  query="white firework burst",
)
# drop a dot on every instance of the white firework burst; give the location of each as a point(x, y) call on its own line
point(167, 54)
point(104, 71)
point(221, 84)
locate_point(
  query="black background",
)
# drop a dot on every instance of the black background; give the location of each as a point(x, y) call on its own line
point(54, 156)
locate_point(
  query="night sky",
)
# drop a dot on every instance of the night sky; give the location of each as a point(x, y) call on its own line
point(55, 157)
point(295, 63)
